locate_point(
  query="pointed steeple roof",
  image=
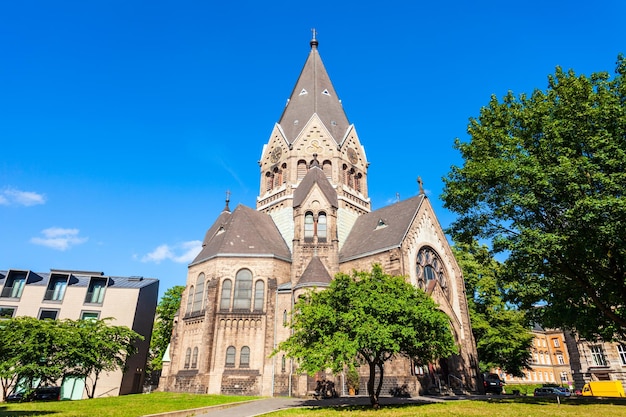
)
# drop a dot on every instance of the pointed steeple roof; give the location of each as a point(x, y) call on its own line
point(314, 94)
point(315, 176)
point(315, 275)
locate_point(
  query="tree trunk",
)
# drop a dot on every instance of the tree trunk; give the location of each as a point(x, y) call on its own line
point(370, 386)
point(380, 382)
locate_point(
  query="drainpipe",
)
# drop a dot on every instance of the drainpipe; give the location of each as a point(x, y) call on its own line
point(291, 360)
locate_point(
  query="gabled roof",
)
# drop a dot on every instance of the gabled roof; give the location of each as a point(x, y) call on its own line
point(315, 275)
point(380, 230)
point(244, 232)
point(314, 93)
point(315, 175)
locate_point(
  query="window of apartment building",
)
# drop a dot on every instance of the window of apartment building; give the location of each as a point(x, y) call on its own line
point(96, 290)
point(560, 359)
point(243, 290)
point(563, 376)
point(56, 287)
point(556, 343)
point(621, 351)
point(89, 315)
point(48, 314)
point(14, 285)
point(7, 312)
point(244, 357)
point(230, 356)
point(597, 355)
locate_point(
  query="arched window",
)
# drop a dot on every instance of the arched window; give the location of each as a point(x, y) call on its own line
point(269, 181)
point(198, 294)
point(309, 227)
point(428, 268)
point(321, 227)
point(243, 290)
point(230, 356)
point(278, 177)
point(244, 357)
point(187, 358)
point(301, 169)
point(327, 168)
point(285, 318)
point(357, 182)
point(190, 300)
point(259, 295)
point(283, 364)
point(351, 178)
point(227, 286)
point(194, 358)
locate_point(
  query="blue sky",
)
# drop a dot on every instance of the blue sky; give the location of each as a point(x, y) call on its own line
point(123, 123)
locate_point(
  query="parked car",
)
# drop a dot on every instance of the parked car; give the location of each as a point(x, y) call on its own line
point(15, 397)
point(40, 394)
point(492, 384)
point(552, 392)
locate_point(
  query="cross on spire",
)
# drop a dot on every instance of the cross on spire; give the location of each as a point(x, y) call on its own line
point(314, 40)
point(226, 208)
point(421, 184)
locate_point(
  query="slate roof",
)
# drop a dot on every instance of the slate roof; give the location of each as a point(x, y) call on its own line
point(315, 176)
point(81, 278)
point(244, 232)
point(315, 275)
point(380, 230)
point(314, 94)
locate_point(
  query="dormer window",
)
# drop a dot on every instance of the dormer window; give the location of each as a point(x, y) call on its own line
point(325, 92)
point(14, 285)
point(381, 224)
point(95, 292)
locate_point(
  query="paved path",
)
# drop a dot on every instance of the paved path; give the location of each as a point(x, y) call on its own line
point(260, 407)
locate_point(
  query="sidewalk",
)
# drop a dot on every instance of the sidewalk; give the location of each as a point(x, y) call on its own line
point(260, 407)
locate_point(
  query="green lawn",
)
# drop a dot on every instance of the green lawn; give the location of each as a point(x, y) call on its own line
point(142, 404)
point(123, 406)
point(514, 407)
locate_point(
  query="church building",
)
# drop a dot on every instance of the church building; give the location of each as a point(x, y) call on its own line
point(313, 219)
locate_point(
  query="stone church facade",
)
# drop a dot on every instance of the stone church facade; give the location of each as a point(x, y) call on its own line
point(313, 218)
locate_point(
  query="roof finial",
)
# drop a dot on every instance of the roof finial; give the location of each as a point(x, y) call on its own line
point(226, 208)
point(419, 181)
point(314, 40)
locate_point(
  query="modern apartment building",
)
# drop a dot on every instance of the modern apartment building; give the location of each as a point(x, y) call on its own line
point(67, 294)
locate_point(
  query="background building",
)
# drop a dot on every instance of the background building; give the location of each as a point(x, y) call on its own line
point(596, 361)
point(66, 294)
point(313, 218)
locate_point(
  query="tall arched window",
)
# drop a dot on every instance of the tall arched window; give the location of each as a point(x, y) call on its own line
point(428, 268)
point(285, 318)
point(301, 169)
point(259, 295)
point(194, 358)
point(309, 227)
point(190, 300)
point(357, 182)
point(244, 357)
point(227, 286)
point(243, 290)
point(321, 227)
point(187, 358)
point(278, 177)
point(269, 181)
point(327, 168)
point(198, 294)
point(230, 356)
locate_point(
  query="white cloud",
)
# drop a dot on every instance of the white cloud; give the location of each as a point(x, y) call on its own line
point(183, 252)
point(59, 238)
point(11, 196)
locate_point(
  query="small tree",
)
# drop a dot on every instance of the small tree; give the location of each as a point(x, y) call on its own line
point(99, 348)
point(369, 317)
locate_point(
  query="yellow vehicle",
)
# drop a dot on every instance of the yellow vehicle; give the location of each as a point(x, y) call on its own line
point(604, 389)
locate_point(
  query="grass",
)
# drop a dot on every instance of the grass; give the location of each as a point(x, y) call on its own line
point(157, 402)
point(123, 406)
point(515, 407)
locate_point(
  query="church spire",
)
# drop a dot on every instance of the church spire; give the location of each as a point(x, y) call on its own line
point(314, 94)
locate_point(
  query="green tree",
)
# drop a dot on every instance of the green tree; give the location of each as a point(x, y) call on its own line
point(166, 310)
point(543, 180)
point(502, 334)
point(98, 347)
point(366, 317)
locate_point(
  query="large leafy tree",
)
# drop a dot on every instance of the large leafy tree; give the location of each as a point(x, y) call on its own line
point(367, 317)
point(544, 179)
point(502, 334)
